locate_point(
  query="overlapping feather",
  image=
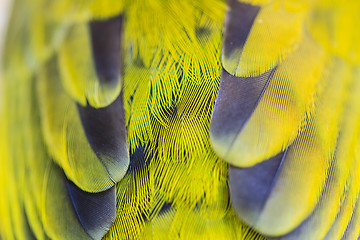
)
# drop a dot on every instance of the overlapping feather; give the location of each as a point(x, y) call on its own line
point(176, 185)
point(170, 61)
point(304, 119)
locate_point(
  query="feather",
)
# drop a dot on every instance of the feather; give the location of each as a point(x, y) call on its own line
point(58, 214)
point(279, 111)
point(92, 76)
point(276, 31)
point(105, 42)
point(318, 108)
point(235, 91)
point(96, 211)
point(250, 188)
point(37, 201)
point(238, 24)
point(337, 182)
point(65, 136)
point(105, 131)
point(180, 120)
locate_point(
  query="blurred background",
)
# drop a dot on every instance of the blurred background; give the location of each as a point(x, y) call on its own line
point(4, 16)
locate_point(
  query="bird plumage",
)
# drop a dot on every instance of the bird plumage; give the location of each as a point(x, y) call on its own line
point(180, 120)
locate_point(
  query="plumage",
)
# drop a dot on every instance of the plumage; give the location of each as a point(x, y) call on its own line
point(166, 119)
point(96, 211)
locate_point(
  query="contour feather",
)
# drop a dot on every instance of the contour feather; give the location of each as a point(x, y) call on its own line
point(82, 76)
point(65, 137)
point(176, 184)
point(275, 33)
point(279, 113)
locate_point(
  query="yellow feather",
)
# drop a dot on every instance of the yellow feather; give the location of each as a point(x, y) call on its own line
point(78, 70)
point(283, 106)
point(176, 185)
point(65, 137)
point(277, 31)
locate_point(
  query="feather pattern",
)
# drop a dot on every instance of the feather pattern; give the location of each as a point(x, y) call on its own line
point(308, 104)
point(146, 110)
point(93, 76)
point(66, 139)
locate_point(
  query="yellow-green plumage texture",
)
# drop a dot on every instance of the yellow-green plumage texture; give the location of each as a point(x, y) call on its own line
point(175, 182)
point(304, 110)
point(78, 71)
